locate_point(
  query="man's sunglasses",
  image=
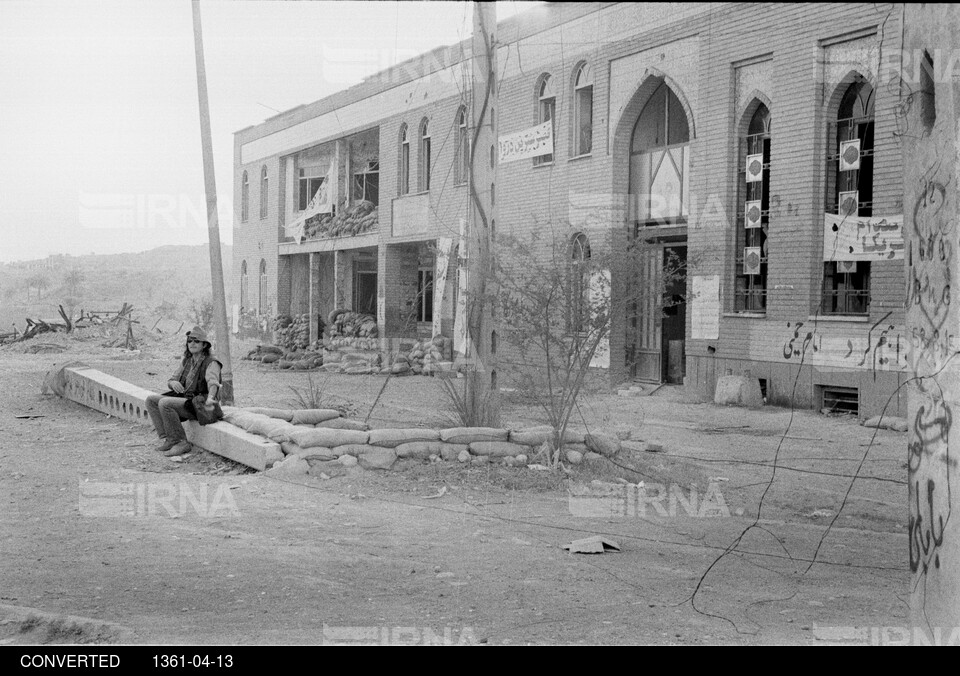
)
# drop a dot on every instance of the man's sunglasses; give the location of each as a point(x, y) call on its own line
point(193, 340)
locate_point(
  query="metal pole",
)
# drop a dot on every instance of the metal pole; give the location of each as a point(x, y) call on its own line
point(213, 227)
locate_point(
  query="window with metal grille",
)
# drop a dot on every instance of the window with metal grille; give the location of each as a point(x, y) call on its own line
point(840, 399)
point(846, 284)
point(263, 287)
point(583, 110)
point(264, 191)
point(753, 219)
point(546, 111)
point(404, 171)
point(244, 291)
point(462, 160)
point(424, 174)
point(244, 197)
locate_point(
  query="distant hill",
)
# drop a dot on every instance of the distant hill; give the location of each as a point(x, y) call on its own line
point(168, 279)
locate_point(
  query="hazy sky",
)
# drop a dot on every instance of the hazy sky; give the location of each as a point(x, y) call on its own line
point(99, 127)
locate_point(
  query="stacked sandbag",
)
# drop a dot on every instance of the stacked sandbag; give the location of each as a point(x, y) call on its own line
point(265, 354)
point(358, 219)
point(292, 332)
point(351, 344)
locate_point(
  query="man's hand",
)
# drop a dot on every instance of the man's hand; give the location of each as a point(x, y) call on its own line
point(176, 386)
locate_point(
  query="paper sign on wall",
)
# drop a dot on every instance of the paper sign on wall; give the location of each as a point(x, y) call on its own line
point(705, 307)
point(862, 238)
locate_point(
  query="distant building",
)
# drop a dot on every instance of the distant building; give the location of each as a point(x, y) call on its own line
point(758, 142)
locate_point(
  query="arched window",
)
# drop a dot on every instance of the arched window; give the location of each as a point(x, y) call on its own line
point(263, 286)
point(244, 290)
point(546, 111)
point(264, 191)
point(583, 110)
point(578, 294)
point(753, 172)
point(424, 174)
point(244, 198)
point(403, 172)
point(846, 283)
point(660, 160)
point(462, 160)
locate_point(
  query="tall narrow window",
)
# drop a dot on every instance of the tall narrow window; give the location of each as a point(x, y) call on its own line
point(462, 160)
point(660, 161)
point(578, 301)
point(403, 173)
point(583, 110)
point(309, 181)
point(244, 198)
point(263, 286)
point(366, 183)
point(244, 289)
point(264, 191)
point(546, 112)
point(846, 284)
point(753, 217)
point(424, 177)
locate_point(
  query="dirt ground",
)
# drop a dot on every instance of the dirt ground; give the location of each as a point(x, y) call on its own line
point(784, 546)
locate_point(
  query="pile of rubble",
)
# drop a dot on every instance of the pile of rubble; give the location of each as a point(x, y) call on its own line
point(356, 220)
point(311, 438)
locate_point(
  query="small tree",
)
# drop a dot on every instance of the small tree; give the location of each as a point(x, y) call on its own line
point(556, 303)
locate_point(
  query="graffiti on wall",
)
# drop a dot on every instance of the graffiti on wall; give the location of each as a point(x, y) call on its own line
point(881, 349)
point(930, 463)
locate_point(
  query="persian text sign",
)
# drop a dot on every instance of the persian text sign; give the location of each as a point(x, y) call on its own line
point(862, 238)
point(532, 142)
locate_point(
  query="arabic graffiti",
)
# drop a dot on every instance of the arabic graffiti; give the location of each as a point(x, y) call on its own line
point(852, 238)
point(881, 349)
point(929, 315)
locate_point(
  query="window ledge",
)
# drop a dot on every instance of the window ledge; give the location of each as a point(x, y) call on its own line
point(856, 319)
point(544, 164)
point(580, 157)
point(749, 315)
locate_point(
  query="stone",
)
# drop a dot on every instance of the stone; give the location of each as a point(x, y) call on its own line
point(604, 444)
point(347, 460)
point(738, 391)
point(574, 457)
point(479, 459)
point(496, 449)
point(450, 452)
point(378, 457)
point(653, 448)
point(273, 456)
point(292, 465)
point(521, 459)
point(464, 456)
point(590, 455)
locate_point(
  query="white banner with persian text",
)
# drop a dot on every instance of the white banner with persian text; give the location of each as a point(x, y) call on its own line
point(444, 248)
point(532, 142)
point(705, 307)
point(862, 238)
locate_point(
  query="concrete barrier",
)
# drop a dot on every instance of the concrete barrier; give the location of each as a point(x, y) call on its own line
point(107, 394)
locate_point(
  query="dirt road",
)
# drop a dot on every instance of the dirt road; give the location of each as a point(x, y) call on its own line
point(447, 552)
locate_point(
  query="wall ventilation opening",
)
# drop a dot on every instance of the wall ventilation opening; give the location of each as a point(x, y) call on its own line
point(840, 400)
point(928, 93)
point(763, 388)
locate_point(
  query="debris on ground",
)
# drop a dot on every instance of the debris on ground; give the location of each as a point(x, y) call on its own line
point(596, 544)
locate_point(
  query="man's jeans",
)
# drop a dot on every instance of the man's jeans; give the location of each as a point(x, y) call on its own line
point(166, 414)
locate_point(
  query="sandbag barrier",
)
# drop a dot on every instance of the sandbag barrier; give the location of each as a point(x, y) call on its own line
point(322, 435)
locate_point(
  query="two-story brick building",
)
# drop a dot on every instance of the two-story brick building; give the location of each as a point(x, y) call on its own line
point(758, 142)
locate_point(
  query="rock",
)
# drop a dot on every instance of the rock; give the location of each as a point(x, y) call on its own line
point(496, 449)
point(464, 456)
point(574, 457)
point(521, 459)
point(653, 448)
point(738, 391)
point(480, 459)
point(604, 444)
point(292, 465)
point(378, 457)
point(590, 455)
point(422, 449)
point(273, 455)
point(887, 422)
point(347, 460)
point(451, 452)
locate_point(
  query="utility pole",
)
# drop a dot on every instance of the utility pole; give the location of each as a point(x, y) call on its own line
point(213, 227)
point(482, 387)
point(930, 136)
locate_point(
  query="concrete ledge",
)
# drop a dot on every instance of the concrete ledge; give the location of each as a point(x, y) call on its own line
point(107, 394)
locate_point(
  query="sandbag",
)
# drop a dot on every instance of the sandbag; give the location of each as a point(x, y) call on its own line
point(356, 449)
point(279, 413)
point(245, 420)
point(312, 416)
point(424, 449)
point(319, 436)
point(468, 435)
point(391, 438)
point(344, 424)
point(497, 449)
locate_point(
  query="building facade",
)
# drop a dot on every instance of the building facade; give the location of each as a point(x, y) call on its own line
point(756, 143)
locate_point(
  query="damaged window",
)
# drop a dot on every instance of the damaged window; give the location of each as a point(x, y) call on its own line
point(425, 295)
point(366, 183)
point(310, 181)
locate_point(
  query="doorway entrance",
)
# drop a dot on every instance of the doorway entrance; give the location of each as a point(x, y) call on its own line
point(656, 326)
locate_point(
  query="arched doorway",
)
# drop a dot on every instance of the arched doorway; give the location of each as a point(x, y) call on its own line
point(659, 180)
